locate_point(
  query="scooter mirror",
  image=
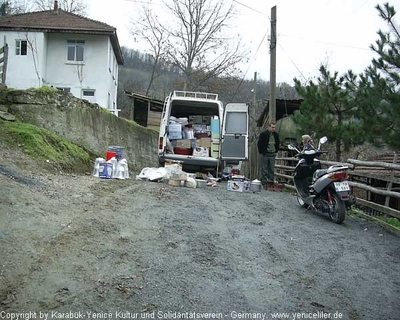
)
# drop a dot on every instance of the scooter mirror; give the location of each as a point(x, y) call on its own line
point(291, 147)
point(323, 140)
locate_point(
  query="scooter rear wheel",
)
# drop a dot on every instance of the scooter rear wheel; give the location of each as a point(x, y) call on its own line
point(337, 212)
point(301, 202)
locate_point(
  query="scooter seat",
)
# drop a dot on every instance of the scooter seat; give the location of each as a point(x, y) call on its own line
point(319, 173)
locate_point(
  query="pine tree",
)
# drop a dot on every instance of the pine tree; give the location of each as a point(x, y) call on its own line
point(378, 89)
point(328, 109)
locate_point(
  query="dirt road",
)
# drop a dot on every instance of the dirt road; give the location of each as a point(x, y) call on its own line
point(73, 246)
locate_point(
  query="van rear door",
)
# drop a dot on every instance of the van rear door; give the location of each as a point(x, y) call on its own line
point(235, 132)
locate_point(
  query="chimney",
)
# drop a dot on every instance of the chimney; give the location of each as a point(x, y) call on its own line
point(55, 5)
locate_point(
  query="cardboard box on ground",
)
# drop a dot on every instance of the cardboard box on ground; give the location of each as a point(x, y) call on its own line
point(177, 177)
point(238, 186)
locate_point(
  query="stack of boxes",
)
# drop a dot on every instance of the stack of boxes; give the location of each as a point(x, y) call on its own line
point(215, 135)
point(179, 139)
point(202, 128)
point(200, 138)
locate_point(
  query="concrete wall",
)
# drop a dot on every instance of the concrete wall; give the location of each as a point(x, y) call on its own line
point(85, 124)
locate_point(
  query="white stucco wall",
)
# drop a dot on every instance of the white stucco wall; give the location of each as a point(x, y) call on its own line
point(25, 71)
point(99, 70)
point(95, 70)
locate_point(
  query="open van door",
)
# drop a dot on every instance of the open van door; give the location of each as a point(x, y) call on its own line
point(235, 132)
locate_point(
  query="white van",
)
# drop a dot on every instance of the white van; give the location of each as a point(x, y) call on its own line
point(197, 131)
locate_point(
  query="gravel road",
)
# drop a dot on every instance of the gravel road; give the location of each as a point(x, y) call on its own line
point(74, 246)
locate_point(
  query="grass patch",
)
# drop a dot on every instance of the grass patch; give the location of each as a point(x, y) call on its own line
point(394, 222)
point(43, 90)
point(42, 144)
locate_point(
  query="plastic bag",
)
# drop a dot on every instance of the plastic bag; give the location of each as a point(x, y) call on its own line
point(152, 174)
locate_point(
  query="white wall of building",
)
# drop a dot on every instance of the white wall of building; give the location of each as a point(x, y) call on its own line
point(25, 71)
point(93, 74)
point(98, 72)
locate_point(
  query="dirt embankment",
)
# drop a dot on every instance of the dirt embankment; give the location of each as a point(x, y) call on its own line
point(74, 243)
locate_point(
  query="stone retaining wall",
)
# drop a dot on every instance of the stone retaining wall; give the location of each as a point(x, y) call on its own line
point(83, 123)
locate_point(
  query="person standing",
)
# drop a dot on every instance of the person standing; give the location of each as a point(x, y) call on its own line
point(307, 142)
point(268, 145)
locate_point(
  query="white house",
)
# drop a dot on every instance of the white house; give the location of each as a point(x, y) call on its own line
point(63, 50)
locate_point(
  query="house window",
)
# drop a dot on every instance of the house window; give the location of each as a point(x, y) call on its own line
point(75, 50)
point(67, 90)
point(88, 93)
point(21, 47)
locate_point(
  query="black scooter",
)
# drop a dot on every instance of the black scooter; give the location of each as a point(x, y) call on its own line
point(324, 190)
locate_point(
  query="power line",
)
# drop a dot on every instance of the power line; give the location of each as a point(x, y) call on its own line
point(250, 8)
point(293, 62)
point(251, 62)
point(144, 1)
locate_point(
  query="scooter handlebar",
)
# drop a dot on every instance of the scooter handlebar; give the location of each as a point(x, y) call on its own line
point(304, 154)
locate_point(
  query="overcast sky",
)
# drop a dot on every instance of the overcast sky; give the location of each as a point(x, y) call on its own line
point(310, 32)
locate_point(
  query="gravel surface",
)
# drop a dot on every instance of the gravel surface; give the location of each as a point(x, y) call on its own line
point(75, 246)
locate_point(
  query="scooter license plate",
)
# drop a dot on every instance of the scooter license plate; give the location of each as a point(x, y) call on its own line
point(342, 186)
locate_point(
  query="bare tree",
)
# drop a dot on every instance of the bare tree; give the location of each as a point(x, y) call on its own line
point(81, 76)
point(198, 46)
point(73, 6)
point(15, 7)
point(149, 28)
point(31, 43)
point(195, 43)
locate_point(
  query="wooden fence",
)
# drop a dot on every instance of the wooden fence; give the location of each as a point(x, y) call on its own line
point(362, 177)
point(3, 63)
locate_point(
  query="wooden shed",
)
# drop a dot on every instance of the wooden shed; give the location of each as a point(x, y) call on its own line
point(283, 108)
point(145, 111)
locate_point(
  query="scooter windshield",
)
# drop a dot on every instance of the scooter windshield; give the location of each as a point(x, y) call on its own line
point(310, 152)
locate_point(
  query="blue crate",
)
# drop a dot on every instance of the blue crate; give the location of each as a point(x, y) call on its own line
point(105, 170)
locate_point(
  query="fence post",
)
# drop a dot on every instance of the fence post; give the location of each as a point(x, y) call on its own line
point(3, 62)
point(390, 183)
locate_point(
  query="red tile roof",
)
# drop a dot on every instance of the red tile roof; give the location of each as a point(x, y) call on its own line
point(62, 22)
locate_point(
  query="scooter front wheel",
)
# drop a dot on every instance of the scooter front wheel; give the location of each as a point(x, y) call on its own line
point(301, 202)
point(337, 212)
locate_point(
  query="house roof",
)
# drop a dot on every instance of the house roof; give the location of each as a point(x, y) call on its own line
point(60, 21)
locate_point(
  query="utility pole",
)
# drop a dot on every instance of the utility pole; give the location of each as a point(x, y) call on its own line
point(252, 166)
point(272, 81)
point(254, 94)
